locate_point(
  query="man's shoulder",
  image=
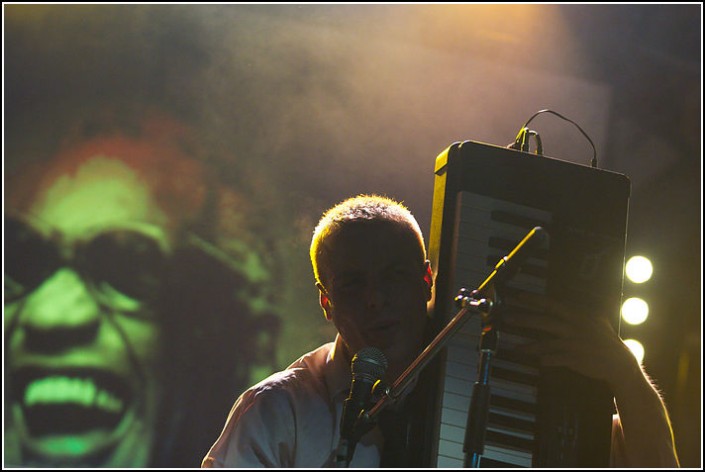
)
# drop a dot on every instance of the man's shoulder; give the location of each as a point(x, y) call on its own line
point(314, 360)
point(302, 377)
point(278, 422)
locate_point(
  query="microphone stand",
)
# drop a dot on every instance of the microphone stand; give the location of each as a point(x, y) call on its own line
point(476, 426)
point(472, 303)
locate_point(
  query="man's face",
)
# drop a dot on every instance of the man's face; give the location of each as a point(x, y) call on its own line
point(377, 284)
point(81, 334)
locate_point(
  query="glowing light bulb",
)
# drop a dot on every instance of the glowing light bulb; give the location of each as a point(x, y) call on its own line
point(635, 310)
point(637, 349)
point(639, 269)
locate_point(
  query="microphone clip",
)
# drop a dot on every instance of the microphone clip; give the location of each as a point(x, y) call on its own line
point(474, 300)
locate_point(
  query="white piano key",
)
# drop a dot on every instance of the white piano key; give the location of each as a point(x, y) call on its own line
point(453, 433)
point(458, 385)
point(451, 449)
point(456, 402)
point(455, 418)
point(461, 369)
point(463, 353)
point(449, 462)
point(446, 462)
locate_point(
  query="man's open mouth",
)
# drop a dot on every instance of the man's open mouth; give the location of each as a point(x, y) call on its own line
point(70, 401)
point(382, 333)
point(384, 326)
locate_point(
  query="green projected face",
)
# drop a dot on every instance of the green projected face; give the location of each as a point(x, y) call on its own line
point(83, 263)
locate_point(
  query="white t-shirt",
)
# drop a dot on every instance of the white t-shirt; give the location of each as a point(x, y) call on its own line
point(292, 418)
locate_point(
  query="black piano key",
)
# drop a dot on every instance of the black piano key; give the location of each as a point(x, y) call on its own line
point(511, 422)
point(512, 404)
point(521, 221)
point(487, 463)
point(516, 357)
point(503, 388)
point(507, 245)
point(497, 438)
point(514, 376)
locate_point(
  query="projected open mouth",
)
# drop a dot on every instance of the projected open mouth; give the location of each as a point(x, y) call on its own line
point(88, 405)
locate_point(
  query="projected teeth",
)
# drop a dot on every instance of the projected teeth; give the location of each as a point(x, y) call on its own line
point(62, 390)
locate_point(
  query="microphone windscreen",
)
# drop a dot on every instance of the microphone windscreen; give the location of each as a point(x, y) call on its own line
point(369, 361)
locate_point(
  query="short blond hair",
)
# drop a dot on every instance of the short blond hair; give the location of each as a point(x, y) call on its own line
point(362, 208)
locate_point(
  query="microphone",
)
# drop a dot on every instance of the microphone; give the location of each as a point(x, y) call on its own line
point(368, 366)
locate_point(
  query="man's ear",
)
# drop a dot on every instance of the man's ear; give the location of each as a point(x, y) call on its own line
point(324, 301)
point(428, 278)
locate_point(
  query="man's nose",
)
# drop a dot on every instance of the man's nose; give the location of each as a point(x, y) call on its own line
point(375, 294)
point(60, 313)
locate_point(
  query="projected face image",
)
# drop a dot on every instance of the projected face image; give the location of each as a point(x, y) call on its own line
point(85, 255)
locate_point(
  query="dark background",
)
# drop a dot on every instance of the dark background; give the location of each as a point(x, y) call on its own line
point(318, 103)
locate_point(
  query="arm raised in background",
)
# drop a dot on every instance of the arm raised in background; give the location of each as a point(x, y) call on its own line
point(642, 435)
